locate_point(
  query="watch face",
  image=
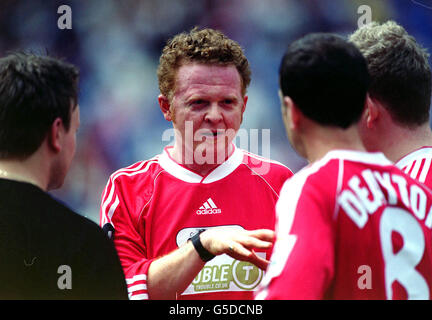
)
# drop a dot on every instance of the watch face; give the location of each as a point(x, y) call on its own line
point(195, 232)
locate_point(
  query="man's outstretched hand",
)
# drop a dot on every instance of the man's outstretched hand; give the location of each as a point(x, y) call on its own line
point(238, 244)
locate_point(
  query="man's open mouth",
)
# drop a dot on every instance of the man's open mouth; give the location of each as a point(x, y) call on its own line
point(213, 133)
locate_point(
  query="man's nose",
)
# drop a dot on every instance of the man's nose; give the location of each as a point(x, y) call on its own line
point(214, 113)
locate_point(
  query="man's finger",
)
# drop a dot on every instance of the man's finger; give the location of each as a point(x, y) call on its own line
point(263, 234)
point(238, 252)
point(259, 262)
point(251, 242)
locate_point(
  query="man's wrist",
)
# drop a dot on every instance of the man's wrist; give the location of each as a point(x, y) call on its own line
point(204, 254)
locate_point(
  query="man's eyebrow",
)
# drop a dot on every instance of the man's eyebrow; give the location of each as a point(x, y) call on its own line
point(230, 97)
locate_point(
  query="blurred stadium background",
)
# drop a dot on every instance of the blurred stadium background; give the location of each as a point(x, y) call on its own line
point(116, 44)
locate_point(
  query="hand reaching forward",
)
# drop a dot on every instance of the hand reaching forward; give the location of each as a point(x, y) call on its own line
point(238, 244)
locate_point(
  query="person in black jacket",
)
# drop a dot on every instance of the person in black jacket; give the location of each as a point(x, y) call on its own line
point(47, 251)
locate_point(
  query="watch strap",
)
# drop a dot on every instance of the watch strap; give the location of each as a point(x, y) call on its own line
point(204, 254)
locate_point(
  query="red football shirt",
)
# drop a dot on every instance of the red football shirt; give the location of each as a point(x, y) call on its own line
point(351, 226)
point(156, 205)
point(417, 165)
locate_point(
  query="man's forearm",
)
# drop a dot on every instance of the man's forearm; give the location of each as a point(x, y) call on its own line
point(170, 275)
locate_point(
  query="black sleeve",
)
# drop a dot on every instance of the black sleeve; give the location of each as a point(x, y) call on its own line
point(99, 274)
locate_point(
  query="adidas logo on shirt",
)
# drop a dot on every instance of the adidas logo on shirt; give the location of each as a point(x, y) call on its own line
point(208, 207)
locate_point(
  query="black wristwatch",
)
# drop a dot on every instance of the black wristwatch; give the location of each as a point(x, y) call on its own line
point(203, 253)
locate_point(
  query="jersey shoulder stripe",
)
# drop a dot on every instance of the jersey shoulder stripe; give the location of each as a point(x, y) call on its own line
point(270, 171)
point(110, 199)
point(417, 164)
point(261, 158)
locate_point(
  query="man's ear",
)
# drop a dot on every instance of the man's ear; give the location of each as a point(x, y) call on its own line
point(245, 100)
point(55, 135)
point(292, 113)
point(165, 107)
point(372, 111)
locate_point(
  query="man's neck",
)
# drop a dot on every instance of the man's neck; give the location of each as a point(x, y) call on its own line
point(21, 170)
point(399, 141)
point(203, 167)
point(322, 140)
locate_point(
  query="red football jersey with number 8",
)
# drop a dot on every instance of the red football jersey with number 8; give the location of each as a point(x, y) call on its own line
point(351, 226)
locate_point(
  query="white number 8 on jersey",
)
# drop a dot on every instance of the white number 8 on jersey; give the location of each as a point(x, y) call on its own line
point(400, 266)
